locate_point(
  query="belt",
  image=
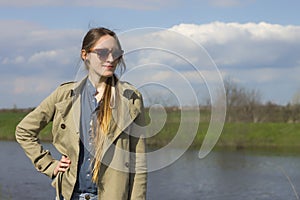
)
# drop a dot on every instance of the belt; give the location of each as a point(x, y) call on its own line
point(87, 196)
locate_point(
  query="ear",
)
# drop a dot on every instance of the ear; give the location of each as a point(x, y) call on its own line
point(83, 54)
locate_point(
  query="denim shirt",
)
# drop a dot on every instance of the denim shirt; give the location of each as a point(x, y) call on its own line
point(89, 107)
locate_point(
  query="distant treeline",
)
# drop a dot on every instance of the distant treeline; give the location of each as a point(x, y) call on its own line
point(16, 110)
point(268, 112)
point(255, 113)
point(245, 105)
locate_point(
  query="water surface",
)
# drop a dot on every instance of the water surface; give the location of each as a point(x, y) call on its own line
point(222, 175)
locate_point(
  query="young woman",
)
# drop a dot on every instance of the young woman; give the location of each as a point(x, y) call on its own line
point(96, 128)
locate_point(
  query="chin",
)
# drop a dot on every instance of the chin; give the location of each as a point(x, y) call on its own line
point(108, 74)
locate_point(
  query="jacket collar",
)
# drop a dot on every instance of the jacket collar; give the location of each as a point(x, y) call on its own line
point(123, 103)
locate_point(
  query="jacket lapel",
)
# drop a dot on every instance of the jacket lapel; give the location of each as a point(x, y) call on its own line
point(76, 100)
point(124, 112)
point(70, 107)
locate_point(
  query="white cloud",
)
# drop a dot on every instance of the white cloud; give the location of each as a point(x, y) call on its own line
point(15, 60)
point(42, 56)
point(223, 33)
point(251, 53)
point(155, 45)
point(234, 45)
point(61, 57)
point(246, 45)
point(34, 60)
point(28, 46)
point(255, 53)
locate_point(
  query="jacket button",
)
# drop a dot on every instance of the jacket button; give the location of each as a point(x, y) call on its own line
point(63, 126)
point(127, 164)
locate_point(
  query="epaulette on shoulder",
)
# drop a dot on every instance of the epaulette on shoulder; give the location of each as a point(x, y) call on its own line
point(66, 83)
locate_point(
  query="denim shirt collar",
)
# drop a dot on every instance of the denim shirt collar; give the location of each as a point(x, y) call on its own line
point(91, 89)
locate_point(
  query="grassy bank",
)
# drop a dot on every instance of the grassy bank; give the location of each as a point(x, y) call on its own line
point(234, 135)
point(10, 119)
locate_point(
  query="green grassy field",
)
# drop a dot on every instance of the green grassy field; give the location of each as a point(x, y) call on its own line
point(234, 135)
point(8, 122)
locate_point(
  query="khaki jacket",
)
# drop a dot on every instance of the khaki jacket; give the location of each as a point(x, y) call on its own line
point(122, 174)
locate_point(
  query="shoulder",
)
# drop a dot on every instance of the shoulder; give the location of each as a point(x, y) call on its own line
point(129, 90)
point(64, 90)
point(67, 83)
point(67, 86)
point(130, 93)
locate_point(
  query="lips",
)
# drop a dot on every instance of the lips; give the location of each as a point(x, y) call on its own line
point(108, 66)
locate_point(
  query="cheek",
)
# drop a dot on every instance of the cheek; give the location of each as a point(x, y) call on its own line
point(94, 61)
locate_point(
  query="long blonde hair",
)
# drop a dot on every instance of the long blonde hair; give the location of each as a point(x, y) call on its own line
point(101, 130)
point(102, 125)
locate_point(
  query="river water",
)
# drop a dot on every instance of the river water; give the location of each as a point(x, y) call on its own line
point(222, 175)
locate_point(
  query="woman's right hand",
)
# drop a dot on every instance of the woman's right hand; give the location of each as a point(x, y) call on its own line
point(63, 165)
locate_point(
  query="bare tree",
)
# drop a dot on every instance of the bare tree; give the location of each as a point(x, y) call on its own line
point(296, 98)
point(242, 104)
point(293, 108)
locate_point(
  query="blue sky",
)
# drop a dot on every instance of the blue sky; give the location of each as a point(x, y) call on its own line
point(153, 13)
point(256, 43)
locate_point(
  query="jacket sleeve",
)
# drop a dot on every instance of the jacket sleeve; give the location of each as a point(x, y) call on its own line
point(27, 132)
point(138, 158)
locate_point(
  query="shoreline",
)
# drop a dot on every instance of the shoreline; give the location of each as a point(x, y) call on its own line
point(238, 136)
point(289, 149)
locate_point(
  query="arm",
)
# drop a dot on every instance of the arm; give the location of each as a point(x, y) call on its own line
point(27, 133)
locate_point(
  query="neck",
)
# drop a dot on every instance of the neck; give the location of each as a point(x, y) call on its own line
point(97, 81)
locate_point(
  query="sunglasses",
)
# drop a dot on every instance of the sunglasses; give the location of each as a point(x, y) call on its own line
point(104, 53)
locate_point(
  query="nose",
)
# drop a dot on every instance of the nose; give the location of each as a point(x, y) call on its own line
point(110, 57)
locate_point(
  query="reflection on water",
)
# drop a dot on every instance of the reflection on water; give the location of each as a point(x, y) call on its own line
point(221, 175)
point(227, 175)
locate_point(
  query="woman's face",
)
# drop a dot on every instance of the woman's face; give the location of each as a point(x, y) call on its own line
point(103, 58)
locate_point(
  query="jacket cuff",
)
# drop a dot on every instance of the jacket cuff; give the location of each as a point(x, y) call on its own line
point(46, 165)
point(51, 169)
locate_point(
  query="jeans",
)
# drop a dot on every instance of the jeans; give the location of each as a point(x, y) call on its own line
point(83, 196)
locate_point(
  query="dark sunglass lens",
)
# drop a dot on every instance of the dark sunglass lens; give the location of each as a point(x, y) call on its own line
point(103, 54)
point(117, 53)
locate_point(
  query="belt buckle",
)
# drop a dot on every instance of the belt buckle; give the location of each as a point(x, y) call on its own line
point(87, 196)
